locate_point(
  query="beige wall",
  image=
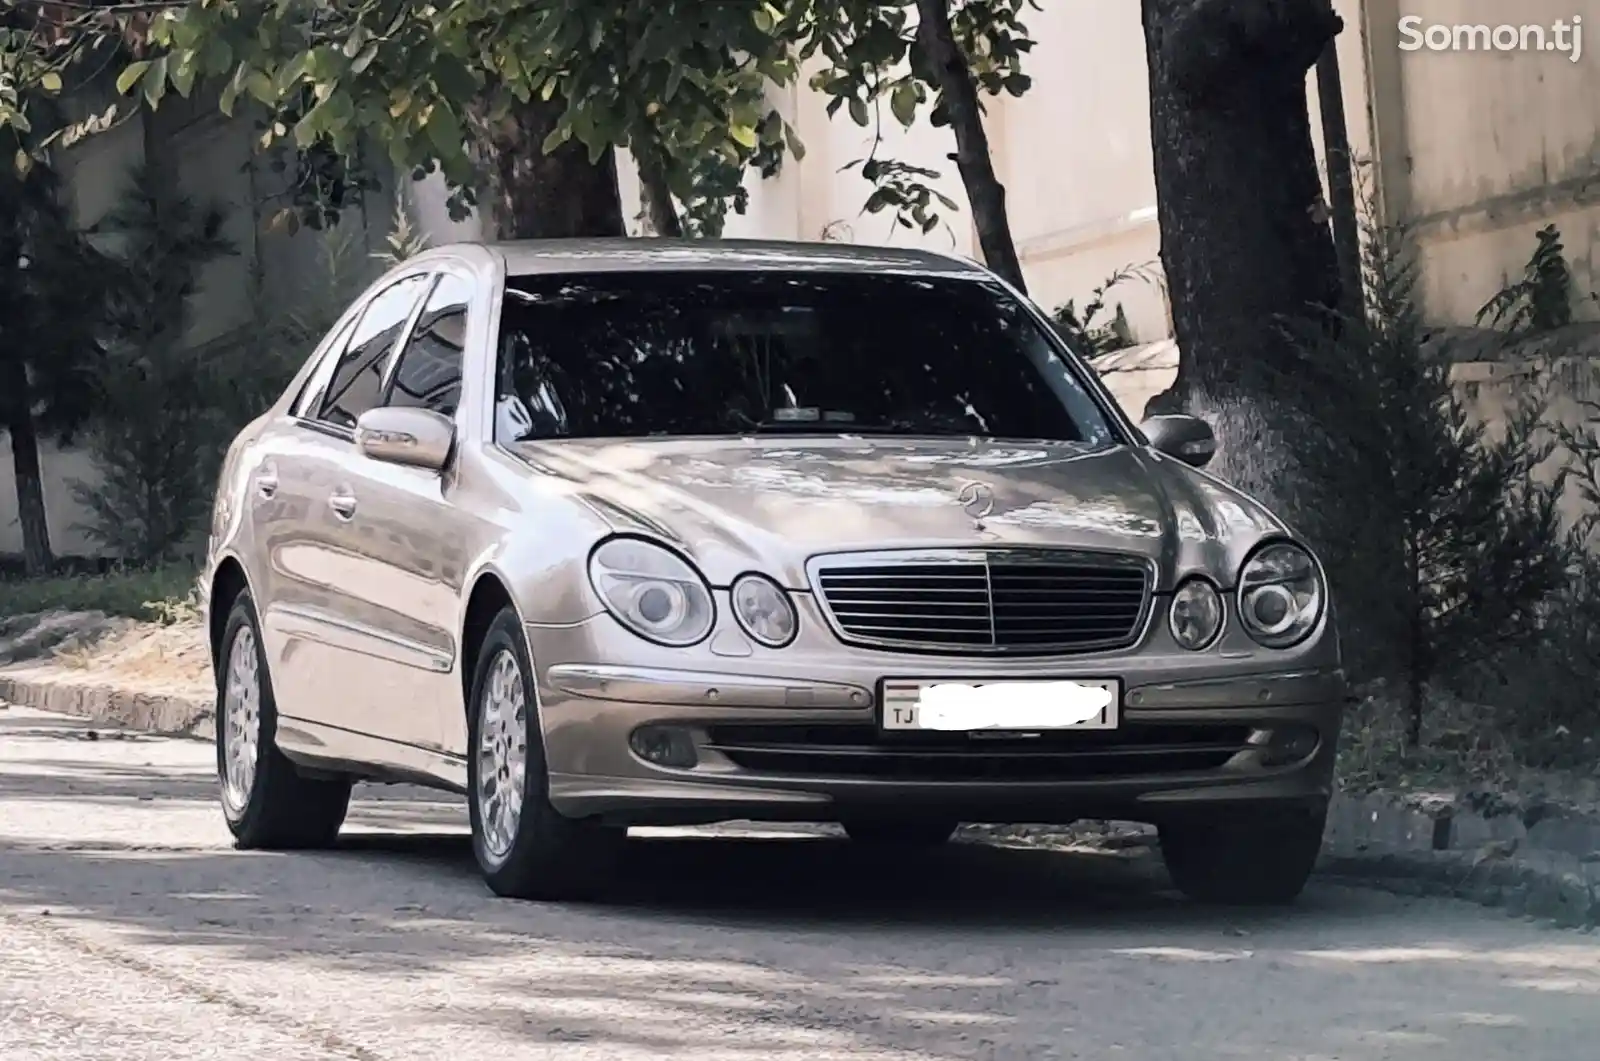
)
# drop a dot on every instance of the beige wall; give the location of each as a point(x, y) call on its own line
point(1495, 145)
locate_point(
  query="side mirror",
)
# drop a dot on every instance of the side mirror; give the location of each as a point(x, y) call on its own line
point(1188, 438)
point(417, 438)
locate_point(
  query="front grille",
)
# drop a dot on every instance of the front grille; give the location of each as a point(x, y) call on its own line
point(998, 601)
point(866, 752)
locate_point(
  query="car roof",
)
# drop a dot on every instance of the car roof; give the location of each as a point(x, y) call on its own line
point(621, 254)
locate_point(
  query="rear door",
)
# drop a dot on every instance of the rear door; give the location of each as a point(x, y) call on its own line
point(279, 504)
point(330, 660)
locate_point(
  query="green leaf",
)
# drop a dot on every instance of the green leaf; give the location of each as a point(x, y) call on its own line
point(306, 129)
point(261, 87)
point(904, 102)
point(130, 76)
point(50, 81)
point(444, 130)
point(216, 55)
point(364, 60)
point(155, 82)
point(357, 41)
point(858, 111)
point(455, 80)
point(23, 162)
point(744, 136)
point(183, 78)
point(230, 93)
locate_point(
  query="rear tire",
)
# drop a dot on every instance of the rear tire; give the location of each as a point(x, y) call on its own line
point(1256, 859)
point(266, 801)
point(524, 846)
point(900, 833)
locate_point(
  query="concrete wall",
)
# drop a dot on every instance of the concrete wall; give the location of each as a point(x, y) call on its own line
point(1482, 149)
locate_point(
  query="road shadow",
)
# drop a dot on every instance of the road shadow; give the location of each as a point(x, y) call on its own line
point(756, 880)
point(824, 947)
point(924, 955)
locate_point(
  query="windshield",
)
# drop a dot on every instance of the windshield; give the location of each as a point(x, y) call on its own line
point(714, 353)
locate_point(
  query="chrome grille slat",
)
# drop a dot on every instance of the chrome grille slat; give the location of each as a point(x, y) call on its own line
point(997, 601)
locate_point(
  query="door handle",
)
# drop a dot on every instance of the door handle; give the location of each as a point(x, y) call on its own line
point(343, 503)
point(267, 482)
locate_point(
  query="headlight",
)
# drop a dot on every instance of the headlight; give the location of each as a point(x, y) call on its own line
point(1281, 595)
point(1196, 617)
point(652, 591)
point(764, 610)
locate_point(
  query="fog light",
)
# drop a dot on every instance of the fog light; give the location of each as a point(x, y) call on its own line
point(1286, 744)
point(664, 746)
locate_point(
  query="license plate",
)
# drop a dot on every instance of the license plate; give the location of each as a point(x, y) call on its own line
point(1015, 706)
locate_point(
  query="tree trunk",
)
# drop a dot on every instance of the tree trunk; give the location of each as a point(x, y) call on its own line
point(658, 206)
point(37, 558)
point(1341, 182)
point(959, 95)
point(548, 196)
point(1244, 233)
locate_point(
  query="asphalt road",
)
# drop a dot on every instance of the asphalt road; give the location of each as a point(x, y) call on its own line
point(131, 930)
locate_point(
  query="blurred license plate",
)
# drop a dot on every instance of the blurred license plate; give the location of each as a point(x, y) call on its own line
point(1018, 706)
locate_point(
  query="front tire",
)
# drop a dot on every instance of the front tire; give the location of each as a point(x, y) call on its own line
point(268, 804)
point(1260, 859)
point(524, 846)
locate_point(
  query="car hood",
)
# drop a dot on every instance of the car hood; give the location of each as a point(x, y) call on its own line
point(770, 503)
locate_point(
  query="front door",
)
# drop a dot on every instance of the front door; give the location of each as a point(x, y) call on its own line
point(413, 539)
point(331, 659)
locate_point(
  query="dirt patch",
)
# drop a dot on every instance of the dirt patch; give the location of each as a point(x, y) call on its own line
point(165, 659)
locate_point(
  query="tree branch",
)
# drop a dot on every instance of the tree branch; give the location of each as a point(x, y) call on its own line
point(651, 162)
point(959, 96)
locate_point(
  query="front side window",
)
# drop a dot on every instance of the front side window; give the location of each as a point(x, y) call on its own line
point(357, 384)
point(310, 397)
point(721, 352)
point(429, 373)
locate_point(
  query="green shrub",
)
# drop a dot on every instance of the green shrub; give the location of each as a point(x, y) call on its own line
point(156, 437)
point(153, 594)
point(1457, 547)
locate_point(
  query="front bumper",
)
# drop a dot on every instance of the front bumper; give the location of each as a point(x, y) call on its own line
point(1196, 733)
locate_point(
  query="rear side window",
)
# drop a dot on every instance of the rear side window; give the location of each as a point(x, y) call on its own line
point(429, 373)
point(357, 383)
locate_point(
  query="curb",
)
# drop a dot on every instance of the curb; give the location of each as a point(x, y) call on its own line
point(48, 690)
point(1531, 857)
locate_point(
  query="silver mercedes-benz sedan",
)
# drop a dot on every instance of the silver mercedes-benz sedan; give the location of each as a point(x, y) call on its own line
point(651, 532)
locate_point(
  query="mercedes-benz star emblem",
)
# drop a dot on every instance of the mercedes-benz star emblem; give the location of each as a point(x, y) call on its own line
point(978, 500)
